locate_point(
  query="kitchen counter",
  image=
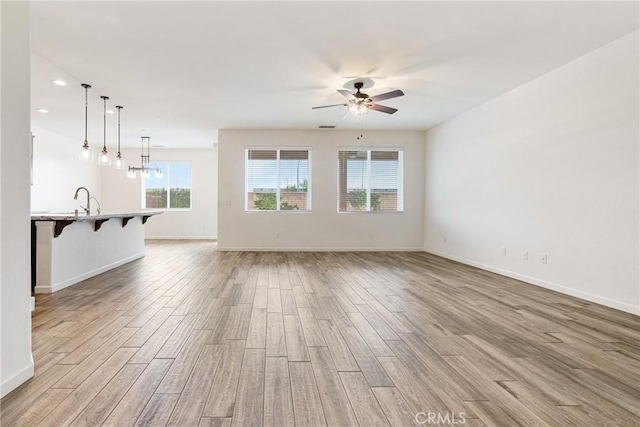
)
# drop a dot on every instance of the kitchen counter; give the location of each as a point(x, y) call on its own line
point(62, 219)
point(71, 216)
point(89, 245)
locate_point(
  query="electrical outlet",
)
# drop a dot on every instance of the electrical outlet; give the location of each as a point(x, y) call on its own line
point(525, 255)
point(277, 235)
point(444, 239)
point(543, 259)
point(504, 252)
point(371, 235)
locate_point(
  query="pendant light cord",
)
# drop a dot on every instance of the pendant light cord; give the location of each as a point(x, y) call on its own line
point(86, 108)
point(104, 124)
point(119, 108)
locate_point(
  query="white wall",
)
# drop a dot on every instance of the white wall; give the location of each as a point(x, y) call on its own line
point(551, 168)
point(58, 172)
point(323, 228)
point(15, 272)
point(120, 194)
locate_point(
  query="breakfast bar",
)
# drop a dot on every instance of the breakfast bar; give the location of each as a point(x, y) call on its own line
point(67, 248)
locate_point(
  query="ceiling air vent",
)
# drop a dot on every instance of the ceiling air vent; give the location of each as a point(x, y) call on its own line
point(327, 127)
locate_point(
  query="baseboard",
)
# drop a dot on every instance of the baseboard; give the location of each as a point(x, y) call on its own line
point(33, 304)
point(16, 379)
point(628, 308)
point(314, 249)
point(77, 279)
point(181, 238)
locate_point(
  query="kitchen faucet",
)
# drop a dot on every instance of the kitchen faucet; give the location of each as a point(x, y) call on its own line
point(97, 203)
point(75, 197)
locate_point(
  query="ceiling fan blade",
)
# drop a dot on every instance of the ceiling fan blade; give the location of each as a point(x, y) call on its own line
point(327, 106)
point(382, 108)
point(388, 95)
point(346, 94)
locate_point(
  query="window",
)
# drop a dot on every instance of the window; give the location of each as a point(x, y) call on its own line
point(277, 180)
point(370, 180)
point(172, 191)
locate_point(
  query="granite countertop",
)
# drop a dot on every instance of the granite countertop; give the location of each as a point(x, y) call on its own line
point(70, 216)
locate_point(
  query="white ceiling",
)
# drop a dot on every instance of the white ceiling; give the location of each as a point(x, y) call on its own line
point(183, 70)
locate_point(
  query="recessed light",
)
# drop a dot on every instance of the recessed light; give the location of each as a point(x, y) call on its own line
point(59, 82)
point(42, 110)
point(110, 111)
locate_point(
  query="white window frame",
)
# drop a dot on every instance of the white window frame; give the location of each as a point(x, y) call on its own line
point(400, 195)
point(168, 208)
point(277, 150)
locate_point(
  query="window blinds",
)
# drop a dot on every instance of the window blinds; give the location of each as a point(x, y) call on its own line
point(370, 180)
point(277, 180)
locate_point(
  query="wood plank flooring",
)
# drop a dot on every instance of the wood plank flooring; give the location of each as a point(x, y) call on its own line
point(189, 336)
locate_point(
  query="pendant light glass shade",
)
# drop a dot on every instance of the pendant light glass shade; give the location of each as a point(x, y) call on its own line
point(86, 154)
point(358, 109)
point(119, 162)
point(103, 158)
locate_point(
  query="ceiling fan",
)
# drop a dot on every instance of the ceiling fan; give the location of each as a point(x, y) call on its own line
point(360, 103)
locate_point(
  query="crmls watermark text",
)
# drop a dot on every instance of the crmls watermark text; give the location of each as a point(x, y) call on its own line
point(439, 418)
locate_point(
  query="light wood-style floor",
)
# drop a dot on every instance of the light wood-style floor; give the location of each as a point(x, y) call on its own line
point(189, 336)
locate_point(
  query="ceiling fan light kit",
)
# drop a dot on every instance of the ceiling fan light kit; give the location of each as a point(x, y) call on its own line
point(360, 103)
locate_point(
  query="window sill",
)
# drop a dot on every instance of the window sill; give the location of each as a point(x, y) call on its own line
point(371, 212)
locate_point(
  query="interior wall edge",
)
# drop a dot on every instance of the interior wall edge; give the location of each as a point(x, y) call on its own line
point(18, 378)
point(15, 106)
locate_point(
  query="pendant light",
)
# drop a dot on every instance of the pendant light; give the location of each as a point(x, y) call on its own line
point(86, 154)
point(144, 171)
point(119, 163)
point(104, 159)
